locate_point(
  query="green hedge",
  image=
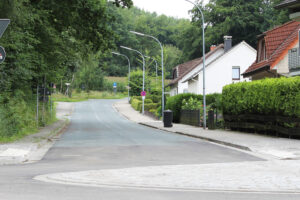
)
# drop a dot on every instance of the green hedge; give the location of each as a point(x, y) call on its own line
point(174, 103)
point(134, 103)
point(280, 96)
point(151, 106)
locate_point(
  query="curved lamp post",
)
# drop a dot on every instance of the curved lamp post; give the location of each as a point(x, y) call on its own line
point(203, 38)
point(119, 54)
point(155, 68)
point(162, 68)
point(130, 49)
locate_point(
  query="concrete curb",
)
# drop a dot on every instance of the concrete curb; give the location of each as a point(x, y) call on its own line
point(201, 137)
point(237, 146)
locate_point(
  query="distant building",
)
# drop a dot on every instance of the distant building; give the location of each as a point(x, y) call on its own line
point(224, 66)
point(183, 71)
point(277, 53)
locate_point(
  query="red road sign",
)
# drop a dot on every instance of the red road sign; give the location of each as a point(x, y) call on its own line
point(143, 93)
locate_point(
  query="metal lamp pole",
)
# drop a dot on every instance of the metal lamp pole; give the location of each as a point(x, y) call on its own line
point(203, 38)
point(155, 68)
point(162, 68)
point(130, 49)
point(119, 54)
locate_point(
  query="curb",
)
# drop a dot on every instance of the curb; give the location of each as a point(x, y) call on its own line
point(201, 137)
point(47, 143)
point(38, 148)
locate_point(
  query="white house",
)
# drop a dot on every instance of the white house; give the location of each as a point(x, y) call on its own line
point(224, 69)
point(185, 70)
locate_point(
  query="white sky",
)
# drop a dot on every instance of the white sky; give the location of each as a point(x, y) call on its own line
point(174, 8)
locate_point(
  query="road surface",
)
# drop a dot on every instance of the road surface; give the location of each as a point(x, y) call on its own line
point(100, 138)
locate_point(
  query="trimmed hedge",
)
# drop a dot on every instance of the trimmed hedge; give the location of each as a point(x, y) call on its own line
point(135, 103)
point(280, 96)
point(151, 106)
point(174, 103)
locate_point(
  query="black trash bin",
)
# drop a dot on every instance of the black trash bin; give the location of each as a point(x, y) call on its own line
point(168, 118)
point(211, 120)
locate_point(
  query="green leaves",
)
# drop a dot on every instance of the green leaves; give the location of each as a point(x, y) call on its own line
point(266, 97)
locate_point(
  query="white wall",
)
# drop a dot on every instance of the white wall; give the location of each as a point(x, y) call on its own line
point(173, 90)
point(185, 86)
point(219, 73)
point(283, 65)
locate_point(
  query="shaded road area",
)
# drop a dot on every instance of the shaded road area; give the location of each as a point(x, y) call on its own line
point(99, 138)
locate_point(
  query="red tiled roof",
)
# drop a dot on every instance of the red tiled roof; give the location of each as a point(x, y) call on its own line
point(277, 41)
point(185, 68)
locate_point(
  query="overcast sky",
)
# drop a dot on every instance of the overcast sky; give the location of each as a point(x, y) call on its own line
point(174, 8)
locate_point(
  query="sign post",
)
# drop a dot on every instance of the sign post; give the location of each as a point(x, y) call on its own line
point(143, 94)
point(115, 88)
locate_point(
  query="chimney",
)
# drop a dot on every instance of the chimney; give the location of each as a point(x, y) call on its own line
point(212, 47)
point(227, 42)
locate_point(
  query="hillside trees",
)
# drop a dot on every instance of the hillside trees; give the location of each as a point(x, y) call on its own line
point(242, 19)
point(46, 41)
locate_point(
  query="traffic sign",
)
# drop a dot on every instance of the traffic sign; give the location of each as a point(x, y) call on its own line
point(115, 84)
point(3, 25)
point(2, 54)
point(143, 93)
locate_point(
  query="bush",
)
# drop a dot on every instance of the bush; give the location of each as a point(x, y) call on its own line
point(191, 104)
point(155, 98)
point(278, 96)
point(135, 103)
point(175, 103)
point(147, 101)
point(136, 82)
point(151, 106)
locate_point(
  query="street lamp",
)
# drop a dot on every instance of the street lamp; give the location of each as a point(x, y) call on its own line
point(155, 68)
point(130, 49)
point(119, 54)
point(203, 57)
point(162, 68)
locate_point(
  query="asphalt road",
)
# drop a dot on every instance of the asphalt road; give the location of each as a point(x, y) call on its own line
point(99, 138)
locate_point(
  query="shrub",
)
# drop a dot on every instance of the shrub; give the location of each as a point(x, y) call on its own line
point(191, 104)
point(147, 101)
point(151, 106)
point(175, 103)
point(278, 96)
point(135, 103)
point(155, 98)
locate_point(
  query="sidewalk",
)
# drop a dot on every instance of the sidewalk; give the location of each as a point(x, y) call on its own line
point(33, 147)
point(265, 146)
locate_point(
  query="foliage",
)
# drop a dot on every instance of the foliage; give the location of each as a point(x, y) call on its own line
point(265, 97)
point(242, 19)
point(83, 96)
point(191, 104)
point(136, 82)
point(135, 104)
point(175, 104)
point(48, 41)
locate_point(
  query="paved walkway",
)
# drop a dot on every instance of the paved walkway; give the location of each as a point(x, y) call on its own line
point(33, 147)
point(266, 146)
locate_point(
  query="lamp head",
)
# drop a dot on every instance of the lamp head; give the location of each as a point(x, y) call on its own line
point(137, 33)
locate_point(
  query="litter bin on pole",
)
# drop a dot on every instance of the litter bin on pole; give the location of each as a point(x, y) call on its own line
point(211, 120)
point(168, 118)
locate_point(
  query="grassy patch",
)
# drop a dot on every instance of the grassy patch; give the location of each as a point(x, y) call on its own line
point(83, 96)
point(116, 79)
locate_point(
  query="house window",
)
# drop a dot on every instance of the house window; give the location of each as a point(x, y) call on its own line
point(236, 75)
